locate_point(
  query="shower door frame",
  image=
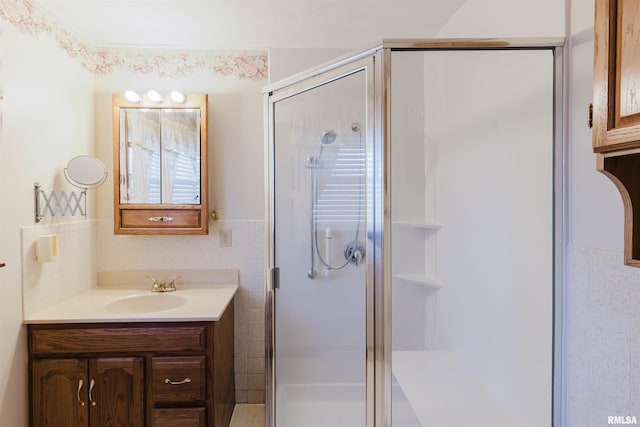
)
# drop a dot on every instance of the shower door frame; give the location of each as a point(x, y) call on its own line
point(365, 62)
point(376, 63)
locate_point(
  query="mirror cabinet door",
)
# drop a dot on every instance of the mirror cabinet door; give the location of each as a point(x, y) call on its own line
point(160, 157)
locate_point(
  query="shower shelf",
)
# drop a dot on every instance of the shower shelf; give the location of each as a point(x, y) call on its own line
point(419, 280)
point(418, 224)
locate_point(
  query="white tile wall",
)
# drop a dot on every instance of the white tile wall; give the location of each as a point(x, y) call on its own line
point(73, 270)
point(603, 342)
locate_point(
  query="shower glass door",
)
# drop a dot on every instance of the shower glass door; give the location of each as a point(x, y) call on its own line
point(472, 200)
point(319, 205)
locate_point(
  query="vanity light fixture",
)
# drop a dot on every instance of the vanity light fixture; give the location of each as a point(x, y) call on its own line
point(178, 96)
point(132, 97)
point(154, 96)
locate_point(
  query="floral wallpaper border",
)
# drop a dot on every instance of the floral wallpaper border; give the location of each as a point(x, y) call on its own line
point(29, 18)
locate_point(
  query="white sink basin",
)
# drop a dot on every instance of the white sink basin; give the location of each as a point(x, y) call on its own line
point(146, 303)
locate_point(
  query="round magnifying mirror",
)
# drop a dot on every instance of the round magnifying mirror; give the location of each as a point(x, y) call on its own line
point(85, 171)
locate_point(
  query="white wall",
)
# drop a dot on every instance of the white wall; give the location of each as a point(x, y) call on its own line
point(507, 18)
point(6, 355)
point(45, 125)
point(284, 63)
point(603, 321)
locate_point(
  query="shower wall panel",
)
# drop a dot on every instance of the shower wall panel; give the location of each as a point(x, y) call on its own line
point(495, 190)
point(484, 191)
point(409, 197)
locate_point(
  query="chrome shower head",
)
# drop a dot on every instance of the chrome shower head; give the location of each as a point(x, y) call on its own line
point(328, 137)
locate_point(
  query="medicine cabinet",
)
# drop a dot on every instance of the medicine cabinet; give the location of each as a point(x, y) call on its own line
point(160, 160)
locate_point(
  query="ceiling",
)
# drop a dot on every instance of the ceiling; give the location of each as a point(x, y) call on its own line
point(249, 24)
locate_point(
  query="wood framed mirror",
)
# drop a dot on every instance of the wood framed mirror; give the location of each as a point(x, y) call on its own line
point(160, 164)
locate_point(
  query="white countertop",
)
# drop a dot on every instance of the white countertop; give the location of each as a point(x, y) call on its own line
point(198, 303)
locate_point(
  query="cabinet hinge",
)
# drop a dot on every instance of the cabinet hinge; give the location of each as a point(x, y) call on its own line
point(590, 117)
point(275, 277)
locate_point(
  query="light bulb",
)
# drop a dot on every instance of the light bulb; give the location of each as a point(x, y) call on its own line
point(154, 96)
point(178, 96)
point(132, 96)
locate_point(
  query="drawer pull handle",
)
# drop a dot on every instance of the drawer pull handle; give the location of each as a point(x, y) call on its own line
point(160, 219)
point(184, 381)
point(80, 384)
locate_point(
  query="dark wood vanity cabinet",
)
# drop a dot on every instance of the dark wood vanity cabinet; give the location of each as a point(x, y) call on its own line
point(132, 375)
point(100, 392)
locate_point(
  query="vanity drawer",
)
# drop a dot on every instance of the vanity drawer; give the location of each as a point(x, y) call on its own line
point(179, 417)
point(45, 339)
point(179, 379)
point(153, 218)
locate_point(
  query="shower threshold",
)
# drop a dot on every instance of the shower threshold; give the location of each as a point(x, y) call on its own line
point(334, 405)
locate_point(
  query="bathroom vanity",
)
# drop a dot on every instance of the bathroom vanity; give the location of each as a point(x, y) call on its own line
point(172, 367)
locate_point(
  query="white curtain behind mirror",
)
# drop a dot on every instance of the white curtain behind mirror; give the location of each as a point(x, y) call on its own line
point(143, 145)
point(180, 158)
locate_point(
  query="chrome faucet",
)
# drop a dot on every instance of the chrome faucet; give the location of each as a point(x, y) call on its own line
point(163, 286)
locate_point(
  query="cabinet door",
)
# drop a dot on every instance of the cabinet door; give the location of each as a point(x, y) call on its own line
point(116, 392)
point(59, 393)
point(616, 78)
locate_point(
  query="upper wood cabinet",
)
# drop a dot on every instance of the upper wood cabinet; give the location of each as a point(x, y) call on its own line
point(616, 83)
point(160, 165)
point(616, 109)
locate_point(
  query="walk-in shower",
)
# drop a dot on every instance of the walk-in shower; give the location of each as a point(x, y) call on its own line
point(415, 237)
